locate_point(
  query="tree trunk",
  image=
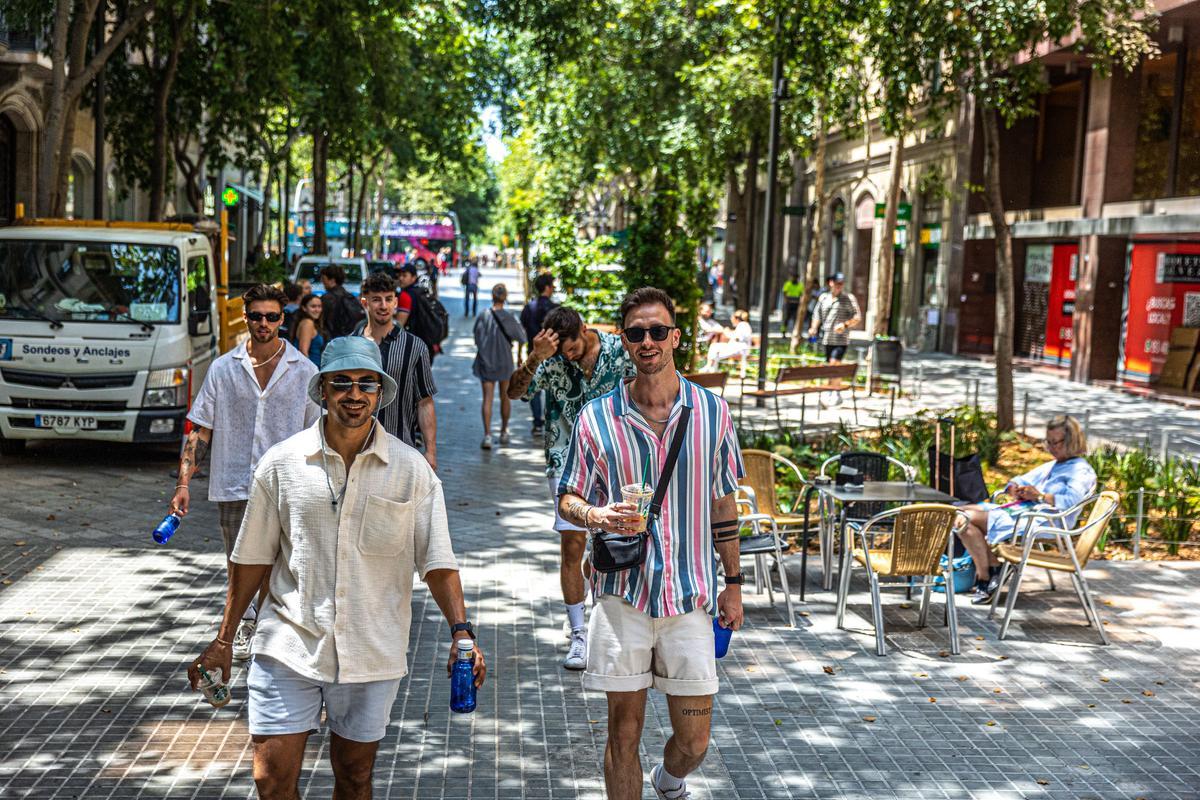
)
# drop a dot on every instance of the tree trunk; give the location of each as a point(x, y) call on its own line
point(268, 187)
point(813, 272)
point(360, 209)
point(735, 208)
point(886, 258)
point(744, 276)
point(319, 189)
point(1003, 344)
point(159, 172)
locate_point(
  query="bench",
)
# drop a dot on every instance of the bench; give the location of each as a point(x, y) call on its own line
point(806, 380)
point(710, 380)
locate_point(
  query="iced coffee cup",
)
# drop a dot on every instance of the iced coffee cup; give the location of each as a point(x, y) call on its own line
point(214, 689)
point(638, 495)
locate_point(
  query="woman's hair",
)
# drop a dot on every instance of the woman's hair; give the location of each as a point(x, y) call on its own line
point(741, 316)
point(302, 314)
point(1075, 442)
point(499, 293)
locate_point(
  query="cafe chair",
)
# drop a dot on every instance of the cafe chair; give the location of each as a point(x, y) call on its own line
point(873, 467)
point(1069, 552)
point(760, 486)
point(920, 535)
point(762, 546)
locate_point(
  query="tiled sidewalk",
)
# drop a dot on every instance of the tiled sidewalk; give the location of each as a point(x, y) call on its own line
point(98, 623)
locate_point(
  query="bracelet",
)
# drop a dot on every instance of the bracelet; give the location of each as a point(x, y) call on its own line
point(527, 368)
point(222, 641)
point(587, 516)
point(182, 486)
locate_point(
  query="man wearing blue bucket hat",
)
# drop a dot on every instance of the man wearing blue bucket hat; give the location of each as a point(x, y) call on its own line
point(341, 515)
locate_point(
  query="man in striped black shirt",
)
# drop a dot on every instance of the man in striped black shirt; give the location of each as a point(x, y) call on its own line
point(406, 360)
point(836, 313)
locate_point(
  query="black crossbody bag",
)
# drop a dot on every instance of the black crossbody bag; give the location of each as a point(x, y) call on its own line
point(615, 552)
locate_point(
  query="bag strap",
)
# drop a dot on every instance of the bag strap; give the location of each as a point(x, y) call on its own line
point(500, 325)
point(660, 492)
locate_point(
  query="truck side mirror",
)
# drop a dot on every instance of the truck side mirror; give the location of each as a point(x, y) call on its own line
point(200, 323)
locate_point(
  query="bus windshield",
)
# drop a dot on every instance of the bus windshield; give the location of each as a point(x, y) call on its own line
point(89, 281)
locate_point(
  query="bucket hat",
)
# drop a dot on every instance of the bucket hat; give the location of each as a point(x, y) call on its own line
point(348, 353)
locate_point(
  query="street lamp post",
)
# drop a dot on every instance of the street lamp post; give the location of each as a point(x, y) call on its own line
point(768, 249)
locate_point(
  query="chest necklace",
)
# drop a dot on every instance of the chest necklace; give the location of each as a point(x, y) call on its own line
point(334, 499)
point(269, 360)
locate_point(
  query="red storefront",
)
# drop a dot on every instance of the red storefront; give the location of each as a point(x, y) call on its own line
point(1163, 294)
point(1047, 304)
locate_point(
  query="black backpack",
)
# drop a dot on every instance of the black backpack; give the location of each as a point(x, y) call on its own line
point(428, 321)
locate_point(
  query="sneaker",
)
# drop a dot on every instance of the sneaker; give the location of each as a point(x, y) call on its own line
point(577, 656)
point(504, 438)
point(242, 638)
point(486, 444)
point(566, 629)
point(983, 591)
point(679, 794)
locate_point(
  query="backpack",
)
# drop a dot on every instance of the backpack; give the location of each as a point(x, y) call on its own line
point(429, 321)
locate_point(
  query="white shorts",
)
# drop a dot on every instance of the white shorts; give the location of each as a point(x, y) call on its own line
point(628, 650)
point(561, 525)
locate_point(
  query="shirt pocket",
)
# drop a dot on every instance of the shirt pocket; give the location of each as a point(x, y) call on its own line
point(387, 528)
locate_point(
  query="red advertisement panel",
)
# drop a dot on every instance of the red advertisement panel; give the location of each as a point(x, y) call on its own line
point(1060, 308)
point(1164, 293)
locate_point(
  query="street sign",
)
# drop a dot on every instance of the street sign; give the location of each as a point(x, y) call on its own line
point(794, 211)
point(903, 211)
point(230, 197)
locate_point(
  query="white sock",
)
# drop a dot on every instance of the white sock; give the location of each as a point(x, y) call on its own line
point(667, 782)
point(575, 615)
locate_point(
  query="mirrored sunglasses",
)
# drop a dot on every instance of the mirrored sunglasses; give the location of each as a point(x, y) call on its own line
point(343, 383)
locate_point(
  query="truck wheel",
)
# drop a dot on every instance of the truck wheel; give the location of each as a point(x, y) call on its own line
point(11, 447)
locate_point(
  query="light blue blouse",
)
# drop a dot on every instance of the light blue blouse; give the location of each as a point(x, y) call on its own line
point(1067, 481)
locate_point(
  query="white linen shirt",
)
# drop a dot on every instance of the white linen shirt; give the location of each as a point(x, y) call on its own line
point(340, 601)
point(245, 420)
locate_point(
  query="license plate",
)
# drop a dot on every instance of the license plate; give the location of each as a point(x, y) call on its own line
point(64, 421)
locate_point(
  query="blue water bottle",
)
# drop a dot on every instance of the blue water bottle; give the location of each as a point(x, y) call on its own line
point(166, 529)
point(462, 679)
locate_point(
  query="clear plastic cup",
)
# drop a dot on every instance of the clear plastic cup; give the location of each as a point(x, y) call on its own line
point(639, 496)
point(214, 689)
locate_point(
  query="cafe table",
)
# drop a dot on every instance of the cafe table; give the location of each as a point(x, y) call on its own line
point(895, 493)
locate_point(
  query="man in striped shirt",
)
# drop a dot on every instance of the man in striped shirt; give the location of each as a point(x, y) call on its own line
point(406, 360)
point(652, 623)
point(836, 313)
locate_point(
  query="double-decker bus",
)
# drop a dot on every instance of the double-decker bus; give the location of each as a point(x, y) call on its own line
point(429, 236)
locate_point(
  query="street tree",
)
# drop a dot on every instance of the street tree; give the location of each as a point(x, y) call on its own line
point(991, 51)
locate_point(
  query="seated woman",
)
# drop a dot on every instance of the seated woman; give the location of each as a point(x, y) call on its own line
point(740, 341)
point(1060, 483)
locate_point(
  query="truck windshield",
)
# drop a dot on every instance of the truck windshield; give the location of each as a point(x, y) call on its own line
point(89, 281)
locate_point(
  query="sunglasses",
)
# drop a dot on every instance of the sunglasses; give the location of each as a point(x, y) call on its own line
point(343, 383)
point(259, 316)
point(658, 333)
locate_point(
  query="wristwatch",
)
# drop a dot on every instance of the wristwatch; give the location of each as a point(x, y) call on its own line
point(462, 626)
point(734, 580)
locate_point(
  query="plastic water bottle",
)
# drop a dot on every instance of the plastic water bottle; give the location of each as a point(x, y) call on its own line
point(166, 529)
point(462, 679)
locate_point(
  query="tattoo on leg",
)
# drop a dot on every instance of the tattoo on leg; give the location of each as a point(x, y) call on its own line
point(696, 712)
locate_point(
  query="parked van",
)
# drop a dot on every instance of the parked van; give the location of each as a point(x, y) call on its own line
point(309, 267)
point(107, 329)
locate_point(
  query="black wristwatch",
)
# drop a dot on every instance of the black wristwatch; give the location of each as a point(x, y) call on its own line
point(734, 580)
point(462, 626)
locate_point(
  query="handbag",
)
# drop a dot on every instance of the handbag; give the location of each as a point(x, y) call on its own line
point(616, 552)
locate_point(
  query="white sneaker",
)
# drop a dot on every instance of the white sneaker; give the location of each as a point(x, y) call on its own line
point(504, 438)
point(566, 629)
point(242, 639)
point(486, 444)
point(577, 656)
point(680, 794)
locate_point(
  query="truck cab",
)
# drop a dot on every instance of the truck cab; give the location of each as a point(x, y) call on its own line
point(106, 330)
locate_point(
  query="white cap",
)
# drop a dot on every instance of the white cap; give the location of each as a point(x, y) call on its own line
point(466, 645)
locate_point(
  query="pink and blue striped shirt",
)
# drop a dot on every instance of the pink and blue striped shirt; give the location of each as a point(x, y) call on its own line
point(608, 450)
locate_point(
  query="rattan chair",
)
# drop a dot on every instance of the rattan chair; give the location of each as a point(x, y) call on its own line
point(1044, 527)
point(920, 535)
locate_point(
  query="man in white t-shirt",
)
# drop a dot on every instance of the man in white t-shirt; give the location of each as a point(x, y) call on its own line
point(253, 397)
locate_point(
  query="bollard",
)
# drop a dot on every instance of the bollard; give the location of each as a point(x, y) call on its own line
point(1164, 443)
point(1137, 529)
point(920, 379)
point(892, 408)
point(1025, 414)
point(1087, 422)
point(978, 383)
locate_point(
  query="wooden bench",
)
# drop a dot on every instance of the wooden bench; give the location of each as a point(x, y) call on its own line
point(808, 380)
point(710, 380)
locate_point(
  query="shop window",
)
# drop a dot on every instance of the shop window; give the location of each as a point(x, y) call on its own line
point(1155, 121)
point(1187, 181)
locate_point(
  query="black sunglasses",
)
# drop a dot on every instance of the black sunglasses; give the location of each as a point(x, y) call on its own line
point(658, 333)
point(343, 383)
point(259, 316)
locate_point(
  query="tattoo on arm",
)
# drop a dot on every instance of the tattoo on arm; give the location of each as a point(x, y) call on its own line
point(577, 511)
point(520, 380)
point(194, 453)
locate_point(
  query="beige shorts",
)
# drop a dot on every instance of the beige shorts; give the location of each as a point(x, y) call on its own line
point(628, 650)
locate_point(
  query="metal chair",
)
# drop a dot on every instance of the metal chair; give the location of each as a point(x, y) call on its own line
point(872, 466)
point(759, 485)
point(920, 535)
point(761, 545)
point(1068, 557)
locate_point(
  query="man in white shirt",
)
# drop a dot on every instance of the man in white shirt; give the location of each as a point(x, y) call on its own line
point(340, 516)
point(253, 397)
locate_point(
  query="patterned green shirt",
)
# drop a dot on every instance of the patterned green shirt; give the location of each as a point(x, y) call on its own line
point(568, 390)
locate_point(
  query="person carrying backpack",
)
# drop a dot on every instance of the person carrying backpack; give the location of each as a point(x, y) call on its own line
point(424, 316)
point(341, 311)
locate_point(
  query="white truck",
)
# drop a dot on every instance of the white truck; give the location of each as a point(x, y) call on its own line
point(107, 329)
